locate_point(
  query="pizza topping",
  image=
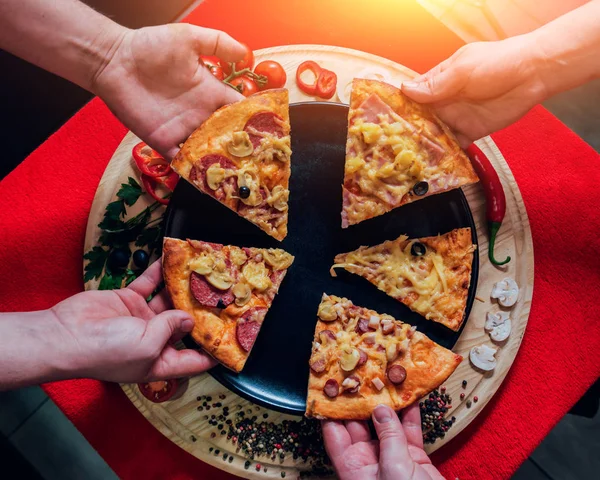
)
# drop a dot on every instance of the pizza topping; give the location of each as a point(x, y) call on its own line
point(261, 124)
point(418, 249)
point(326, 336)
point(362, 326)
point(420, 188)
point(396, 374)
point(499, 326)
point(248, 326)
point(387, 326)
point(249, 179)
point(237, 256)
point(240, 144)
point(203, 264)
point(370, 339)
point(277, 258)
point(349, 358)
point(327, 311)
point(362, 358)
point(318, 364)
point(351, 384)
point(206, 294)
point(391, 351)
point(482, 357)
point(374, 322)
point(215, 175)
point(279, 198)
point(257, 275)
point(331, 388)
point(506, 291)
point(242, 293)
point(377, 383)
point(244, 192)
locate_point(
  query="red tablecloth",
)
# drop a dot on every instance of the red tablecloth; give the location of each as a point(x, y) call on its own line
point(48, 197)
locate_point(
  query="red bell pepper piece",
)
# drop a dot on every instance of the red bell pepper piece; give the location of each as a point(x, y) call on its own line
point(149, 161)
point(309, 89)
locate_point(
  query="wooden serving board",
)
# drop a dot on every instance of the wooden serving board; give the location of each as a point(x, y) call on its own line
point(181, 422)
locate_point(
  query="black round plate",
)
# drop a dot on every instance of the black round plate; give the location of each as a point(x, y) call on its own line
point(276, 373)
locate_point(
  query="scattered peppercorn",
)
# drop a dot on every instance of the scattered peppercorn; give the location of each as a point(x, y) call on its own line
point(433, 422)
point(464, 384)
point(475, 399)
point(282, 474)
point(462, 396)
point(469, 403)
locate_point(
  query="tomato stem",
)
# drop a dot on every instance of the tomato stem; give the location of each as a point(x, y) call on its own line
point(261, 80)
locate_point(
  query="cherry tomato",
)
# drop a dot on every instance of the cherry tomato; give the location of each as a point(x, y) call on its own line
point(246, 62)
point(274, 72)
point(247, 84)
point(326, 84)
point(214, 65)
point(160, 391)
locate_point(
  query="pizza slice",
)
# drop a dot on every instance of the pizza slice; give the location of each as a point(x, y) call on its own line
point(361, 358)
point(241, 157)
point(430, 275)
point(227, 290)
point(397, 152)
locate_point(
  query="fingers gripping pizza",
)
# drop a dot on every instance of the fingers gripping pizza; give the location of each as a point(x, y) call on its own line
point(361, 358)
point(430, 275)
point(227, 290)
point(397, 152)
point(241, 157)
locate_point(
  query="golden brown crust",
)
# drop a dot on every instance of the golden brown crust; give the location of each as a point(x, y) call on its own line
point(214, 328)
point(427, 366)
point(452, 170)
point(212, 137)
point(456, 251)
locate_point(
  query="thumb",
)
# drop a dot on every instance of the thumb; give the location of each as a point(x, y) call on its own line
point(215, 42)
point(440, 83)
point(393, 447)
point(166, 325)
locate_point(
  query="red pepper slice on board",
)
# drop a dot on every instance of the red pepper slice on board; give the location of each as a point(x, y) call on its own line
point(169, 181)
point(494, 196)
point(149, 161)
point(326, 84)
point(309, 65)
point(150, 184)
point(160, 391)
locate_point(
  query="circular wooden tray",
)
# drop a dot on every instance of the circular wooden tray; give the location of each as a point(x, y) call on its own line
point(181, 422)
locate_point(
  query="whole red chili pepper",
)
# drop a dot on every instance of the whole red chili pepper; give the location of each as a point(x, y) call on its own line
point(494, 196)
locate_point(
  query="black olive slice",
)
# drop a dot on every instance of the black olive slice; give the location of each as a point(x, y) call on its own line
point(244, 192)
point(418, 249)
point(421, 188)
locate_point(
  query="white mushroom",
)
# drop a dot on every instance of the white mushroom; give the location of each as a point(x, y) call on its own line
point(499, 325)
point(482, 357)
point(506, 291)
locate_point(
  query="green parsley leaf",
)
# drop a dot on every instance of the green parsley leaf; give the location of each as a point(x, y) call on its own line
point(112, 216)
point(151, 236)
point(110, 282)
point(130, 276)
point(97, 257)
point(130, 192)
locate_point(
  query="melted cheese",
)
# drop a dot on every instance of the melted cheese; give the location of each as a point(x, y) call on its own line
point(393, 268)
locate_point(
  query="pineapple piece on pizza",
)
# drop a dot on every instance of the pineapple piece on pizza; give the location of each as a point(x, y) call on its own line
point(397, 151)
point(361, 358)
point(227, 290)
point(430, 275)
point(240, 156)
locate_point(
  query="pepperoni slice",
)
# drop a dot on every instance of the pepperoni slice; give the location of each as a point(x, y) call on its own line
point(263, 122)
point(206, 294)
point(317, 365)
point(198, 173)
point(331, 388)
point(328, 335)
point(362, 326)
point(396, 374)
point(363, 358)
point(248, 326)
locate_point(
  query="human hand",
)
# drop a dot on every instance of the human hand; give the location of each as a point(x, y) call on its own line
point(156, 84)
point(398, 454)
point(115, 335)
point(483, 87)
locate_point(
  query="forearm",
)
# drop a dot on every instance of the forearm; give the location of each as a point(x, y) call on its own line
point(33, 350)
point(567, 50)
point(65, 37)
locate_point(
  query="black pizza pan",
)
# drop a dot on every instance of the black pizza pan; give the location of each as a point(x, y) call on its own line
point(276, 373)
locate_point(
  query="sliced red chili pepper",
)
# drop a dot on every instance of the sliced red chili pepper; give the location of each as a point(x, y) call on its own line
point(150, 184)
point(494, 196)
point(169, 181)
point(149, 161)
point(309, 65)
point(326, 84)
